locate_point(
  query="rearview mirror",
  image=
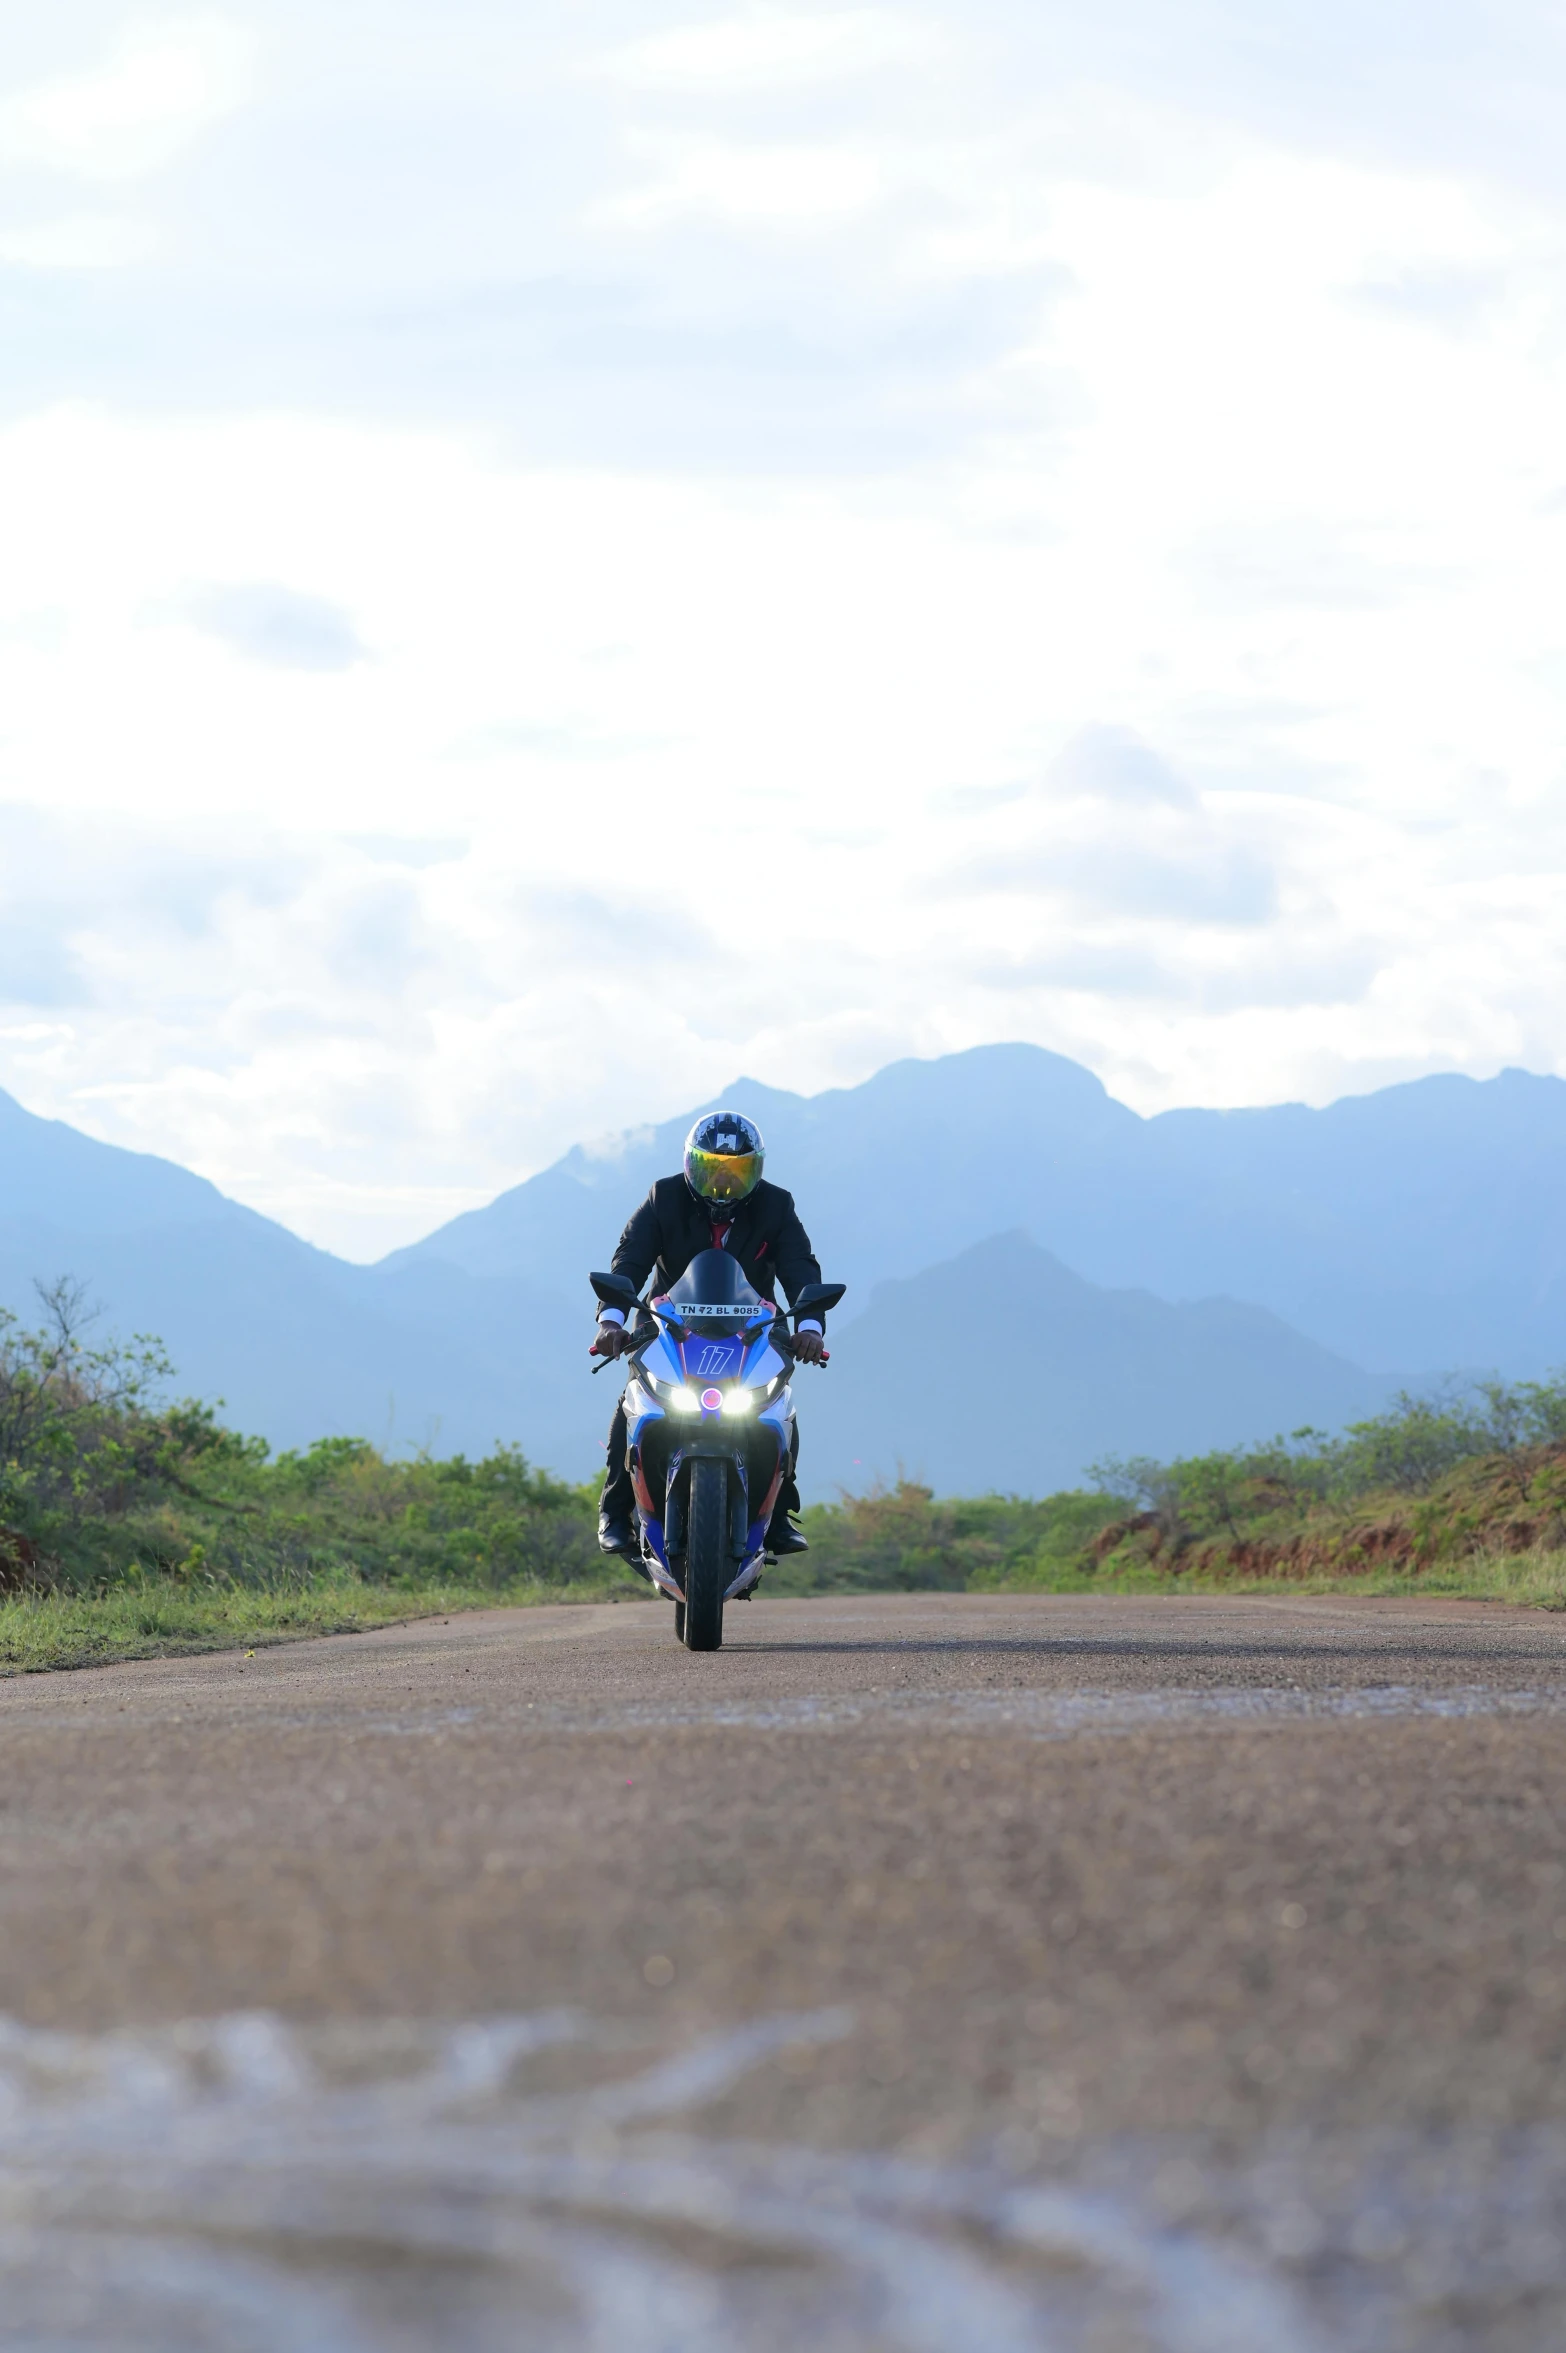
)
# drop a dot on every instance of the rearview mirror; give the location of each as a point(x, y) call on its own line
point(818, 1297)
point(615, 1291)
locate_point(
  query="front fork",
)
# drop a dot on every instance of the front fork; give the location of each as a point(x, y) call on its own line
point(663, 1540)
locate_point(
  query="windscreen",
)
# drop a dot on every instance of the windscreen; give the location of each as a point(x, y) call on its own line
point(713, 1293)
point(715, 1305)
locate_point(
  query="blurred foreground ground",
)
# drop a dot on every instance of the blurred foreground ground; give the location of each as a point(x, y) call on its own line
point(938, 1970)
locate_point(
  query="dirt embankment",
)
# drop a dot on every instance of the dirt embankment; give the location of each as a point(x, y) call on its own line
point(1512, 1503)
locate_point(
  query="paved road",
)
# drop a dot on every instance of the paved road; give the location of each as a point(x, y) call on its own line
point(941, 1970)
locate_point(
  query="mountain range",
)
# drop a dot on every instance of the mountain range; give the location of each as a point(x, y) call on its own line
point(1417, 1226)
point(1038, 1275)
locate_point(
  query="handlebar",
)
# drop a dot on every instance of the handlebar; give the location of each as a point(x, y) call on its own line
point(648, 1322)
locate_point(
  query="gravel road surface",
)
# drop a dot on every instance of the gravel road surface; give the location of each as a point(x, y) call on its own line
point(938, 1971)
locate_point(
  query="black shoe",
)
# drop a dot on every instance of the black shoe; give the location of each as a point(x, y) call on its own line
point(615, 1534)
point(784, 1537)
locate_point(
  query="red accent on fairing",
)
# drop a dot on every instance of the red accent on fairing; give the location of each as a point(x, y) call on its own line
point(765, 1513)
point(643, 1491)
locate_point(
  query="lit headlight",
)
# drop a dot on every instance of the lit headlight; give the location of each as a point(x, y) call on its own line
point(684, 1400)
point(739, 1401)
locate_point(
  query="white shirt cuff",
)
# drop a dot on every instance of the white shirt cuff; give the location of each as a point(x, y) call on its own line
point(808, 1326)
point(611, 1315)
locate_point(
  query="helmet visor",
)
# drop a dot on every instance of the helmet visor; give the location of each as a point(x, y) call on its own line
point(722, 1177)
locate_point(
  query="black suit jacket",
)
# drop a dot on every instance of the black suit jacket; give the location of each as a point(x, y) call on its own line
point(765, 1235)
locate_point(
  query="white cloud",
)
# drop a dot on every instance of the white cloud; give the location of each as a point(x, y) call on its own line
point(267, 623)
point(770, 185)
point(1084, 548)
point(162, 84)
point(78, 241)
point(772, 49)
point(1109, 764)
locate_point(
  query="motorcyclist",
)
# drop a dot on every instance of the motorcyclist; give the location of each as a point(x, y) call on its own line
point(719, 1202)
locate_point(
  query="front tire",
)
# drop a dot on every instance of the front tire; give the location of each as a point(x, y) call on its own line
point(706, 1555)
point(679, 1621)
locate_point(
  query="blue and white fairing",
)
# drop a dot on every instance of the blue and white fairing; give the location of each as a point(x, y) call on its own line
point(709, 1372)
point(669, 1376)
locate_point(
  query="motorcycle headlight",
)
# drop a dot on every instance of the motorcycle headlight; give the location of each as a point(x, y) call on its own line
point(738, 1401)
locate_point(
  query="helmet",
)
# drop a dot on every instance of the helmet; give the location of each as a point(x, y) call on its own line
point(723, 1157)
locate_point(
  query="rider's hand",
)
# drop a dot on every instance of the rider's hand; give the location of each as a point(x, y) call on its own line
point(809, 1348)
point(610, 1340)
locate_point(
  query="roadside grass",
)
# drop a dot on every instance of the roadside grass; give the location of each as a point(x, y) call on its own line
point(131, 1528)
point(134, 1529)
point(1535, 1579)
point(1459, 1493)
point(904, 1539)
point(160, 1619)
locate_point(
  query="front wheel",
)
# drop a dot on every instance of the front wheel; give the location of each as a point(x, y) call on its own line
point(706, 1555)
point(679, 1621)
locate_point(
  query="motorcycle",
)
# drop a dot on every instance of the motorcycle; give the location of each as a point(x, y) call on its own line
point(710, 1420)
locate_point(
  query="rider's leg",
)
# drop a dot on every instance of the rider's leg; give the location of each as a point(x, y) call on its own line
point(616, 1505)
point(782, 1535)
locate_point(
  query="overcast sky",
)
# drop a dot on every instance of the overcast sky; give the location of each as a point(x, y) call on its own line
point(550, 555)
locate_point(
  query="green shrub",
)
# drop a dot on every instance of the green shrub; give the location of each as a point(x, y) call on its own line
point(901, 1539)
point(1407, 1451)
point(109, 1494)
point(103, 1488)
